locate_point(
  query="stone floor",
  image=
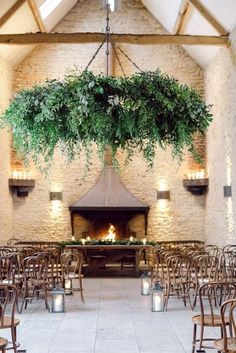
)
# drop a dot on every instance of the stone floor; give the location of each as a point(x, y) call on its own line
point(114, 319)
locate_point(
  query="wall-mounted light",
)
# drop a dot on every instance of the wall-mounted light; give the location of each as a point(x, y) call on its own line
point(56, 196)
point(163, 195)
point(227, 191)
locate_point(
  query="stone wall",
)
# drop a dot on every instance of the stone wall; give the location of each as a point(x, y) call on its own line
point(5, 152)
point(220, 83)
point(180, 218)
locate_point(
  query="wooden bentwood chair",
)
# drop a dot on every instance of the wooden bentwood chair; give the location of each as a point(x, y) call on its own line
point(71, 266)
point(8, 297)
point(211, 296)
point(227, 344)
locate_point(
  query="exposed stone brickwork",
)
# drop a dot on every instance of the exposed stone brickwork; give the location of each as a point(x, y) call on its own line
point(220, 81)
point(180, 218)
point(5, 152)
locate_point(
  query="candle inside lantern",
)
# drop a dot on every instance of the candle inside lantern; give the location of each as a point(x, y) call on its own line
point(131, 238)
point(83, 241)
point(144, 241)
point(67, 283)
point(157, 303)
point(73, 238)
point(58, 303)
point(88, 238)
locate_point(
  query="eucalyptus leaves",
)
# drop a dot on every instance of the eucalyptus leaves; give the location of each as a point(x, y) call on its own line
point(138, 112)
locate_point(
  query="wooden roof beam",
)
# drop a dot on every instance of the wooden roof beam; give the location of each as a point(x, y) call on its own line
point(209, 17)
point(182, 17)
point(85, 37)
point(11, 11)
point(37, 15)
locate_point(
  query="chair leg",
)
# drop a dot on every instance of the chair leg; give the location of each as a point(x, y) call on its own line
point(81, 289)
point(13, 335)
point(201, 336)
point(194, 338)
point(24, 301)
point(46, 299)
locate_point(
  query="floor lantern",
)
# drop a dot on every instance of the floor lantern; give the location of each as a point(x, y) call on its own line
point(145, 284)
point(58, 300)
point(157, 297)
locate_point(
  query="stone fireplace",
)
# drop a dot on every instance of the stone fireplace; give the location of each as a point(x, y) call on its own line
point(108, 202)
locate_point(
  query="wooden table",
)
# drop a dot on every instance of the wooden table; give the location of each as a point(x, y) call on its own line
point(38, 243)
point(99, 257)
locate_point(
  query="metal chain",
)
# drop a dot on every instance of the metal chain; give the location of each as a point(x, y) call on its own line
point(127, 57)
point(107, 37)
point(118, 59)
point(106, 40)
point(96, 53)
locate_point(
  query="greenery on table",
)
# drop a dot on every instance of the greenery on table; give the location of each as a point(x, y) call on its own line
point(140, 112)
point(106, 242)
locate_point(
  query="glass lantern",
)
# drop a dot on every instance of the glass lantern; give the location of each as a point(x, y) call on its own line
point(145, 284)
point(68, 286)
point(58, 300)
point(157, 297)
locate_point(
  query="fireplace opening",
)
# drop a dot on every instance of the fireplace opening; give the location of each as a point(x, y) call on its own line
point(97, 226)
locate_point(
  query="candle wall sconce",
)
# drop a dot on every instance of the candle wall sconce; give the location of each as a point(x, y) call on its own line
point(21, 186)
point(196, 186)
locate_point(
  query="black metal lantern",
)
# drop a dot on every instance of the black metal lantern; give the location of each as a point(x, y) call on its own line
point(58, 300)
point(157, 297)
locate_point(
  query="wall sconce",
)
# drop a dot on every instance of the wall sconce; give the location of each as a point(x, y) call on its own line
point(163, 195)
point(21, 186)
point(55, 196)
point(227, 191)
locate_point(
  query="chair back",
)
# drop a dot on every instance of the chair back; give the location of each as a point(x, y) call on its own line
point(36, 268)
point(8, 298)
point(228, 314)
point(71, 264)
point(211, 296)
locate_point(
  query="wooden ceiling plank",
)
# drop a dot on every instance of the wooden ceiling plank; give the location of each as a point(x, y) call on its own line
point(209, 17)
point(139, 39)
point(11, 11)
point(37, 15)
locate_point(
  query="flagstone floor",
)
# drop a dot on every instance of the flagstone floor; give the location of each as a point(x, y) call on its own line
point(114, 319)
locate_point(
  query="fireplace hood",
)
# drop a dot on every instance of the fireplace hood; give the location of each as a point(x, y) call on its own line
point(108, 195)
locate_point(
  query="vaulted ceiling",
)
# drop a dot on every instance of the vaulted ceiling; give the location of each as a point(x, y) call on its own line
point(193, 17)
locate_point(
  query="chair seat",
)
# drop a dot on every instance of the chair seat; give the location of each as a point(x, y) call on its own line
point(197, 320)
point(3, 343)
point(231, 345)
point(7, 322)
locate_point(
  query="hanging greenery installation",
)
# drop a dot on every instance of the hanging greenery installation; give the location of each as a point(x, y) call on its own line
point(139, 112)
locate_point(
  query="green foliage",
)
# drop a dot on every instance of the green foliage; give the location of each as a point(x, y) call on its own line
point(140, 112)
point(106, 242)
